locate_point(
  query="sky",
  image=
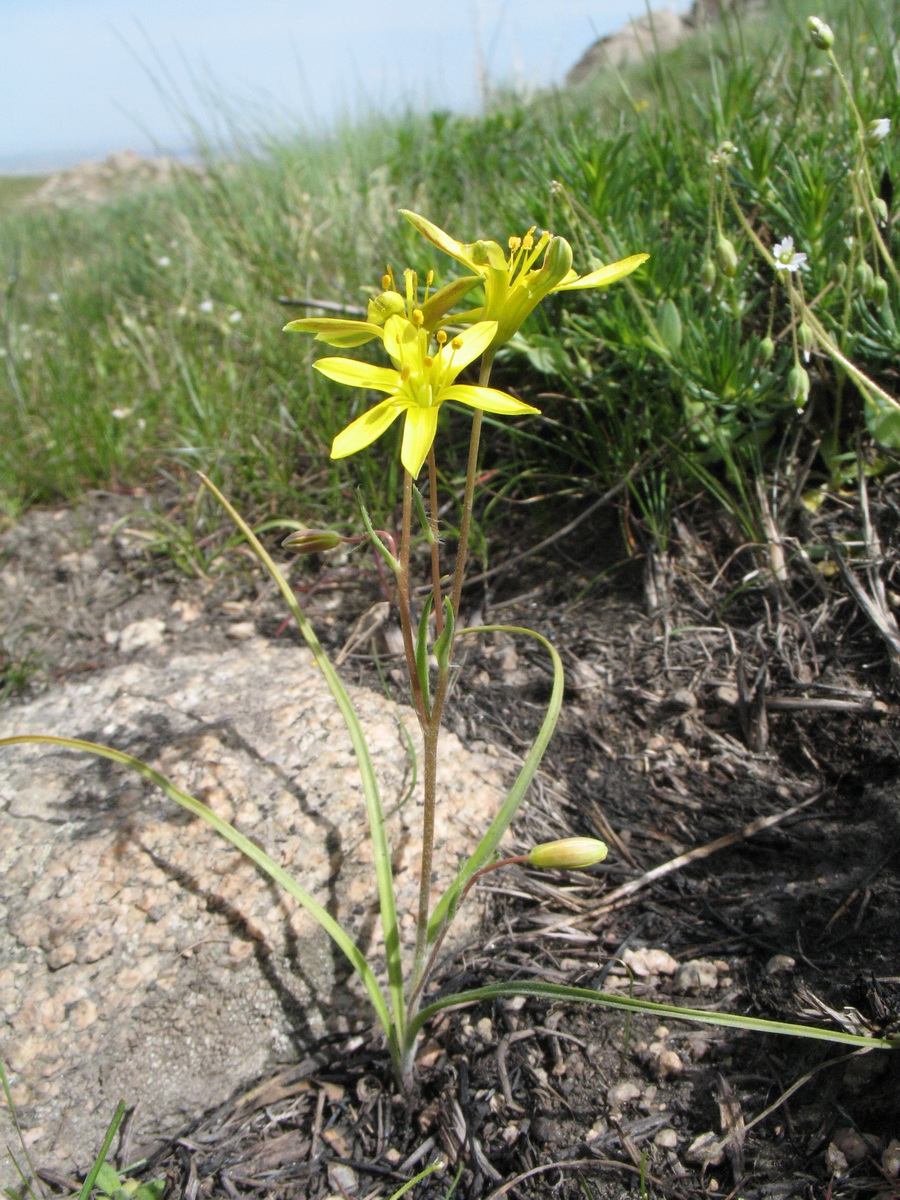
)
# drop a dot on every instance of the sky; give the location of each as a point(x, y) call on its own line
point(83, 78)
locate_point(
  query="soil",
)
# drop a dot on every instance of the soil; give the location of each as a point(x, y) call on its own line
point(709, 705)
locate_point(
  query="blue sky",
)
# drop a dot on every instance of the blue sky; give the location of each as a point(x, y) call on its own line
point(82, 78)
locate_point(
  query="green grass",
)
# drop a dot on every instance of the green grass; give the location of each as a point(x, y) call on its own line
point(143, 338)
point(15, 188)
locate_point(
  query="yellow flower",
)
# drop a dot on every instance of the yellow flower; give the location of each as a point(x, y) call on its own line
point(513, 285)
point(417, 387)
point(345, 332)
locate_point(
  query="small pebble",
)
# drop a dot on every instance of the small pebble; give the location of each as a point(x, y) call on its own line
point(623, 1093)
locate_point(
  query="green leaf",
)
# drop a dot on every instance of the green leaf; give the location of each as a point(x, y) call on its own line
point(422, 653)
point(553, 991)
point(444, 644)
point(484, 851)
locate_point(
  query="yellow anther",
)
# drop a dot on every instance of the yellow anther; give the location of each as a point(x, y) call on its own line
point(418, 317)
point(515, 243)
point(528, 239)
point(441, 336)
point(457, 343)
point(429, 279)
point(405, 373)
point(428, 361)
point(386, 282)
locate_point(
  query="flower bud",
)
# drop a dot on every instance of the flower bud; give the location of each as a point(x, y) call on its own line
point(766, 349)
point(820, 34)
point(708, 275)
point(840, 272)
point(879, 290)
point(312, 541)
point(726, 256)
point(865, 278)
point(798, 385)
point(569, 854)
point(877, 132)
point(805, 338)
point(881, 210)
point(388, 304)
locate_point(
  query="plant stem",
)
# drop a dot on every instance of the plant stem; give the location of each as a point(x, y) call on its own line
point(435, 544)
point(432, 729)
point(404, 605)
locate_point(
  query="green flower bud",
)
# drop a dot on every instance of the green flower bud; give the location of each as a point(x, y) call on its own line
point(798, 385)
point(312, 541)
point(670, 329)
point(879, 290)
point(820, 34)
point(726, 256)
point(388, 304)
point(805, 338)
point(708, 275)
point(841, 272)
point(569, 854)
point(766, 350)
point(881, 210)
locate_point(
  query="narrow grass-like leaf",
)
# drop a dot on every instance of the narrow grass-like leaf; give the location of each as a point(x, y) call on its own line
point(374, 810)
point(553, 991)
point(444, 909)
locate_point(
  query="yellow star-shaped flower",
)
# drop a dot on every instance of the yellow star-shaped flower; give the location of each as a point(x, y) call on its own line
point(513, 285)
point(417, 386)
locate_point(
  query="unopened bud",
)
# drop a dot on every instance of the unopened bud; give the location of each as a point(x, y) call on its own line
point(765, 350)
point(881, 210)
point(879, 290)
point(312, 541)
point(798, 385)
point(727, 256)
point(805, 338)
point(387, 304)
point(569, 854)
point(708, 275)
point(820, 34)
point(865, 277)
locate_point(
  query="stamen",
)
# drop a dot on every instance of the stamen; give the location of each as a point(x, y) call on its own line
point(440, 337)
point(528, 239)
point(387, 281)
point(457, 343)
point(514, 243)
point(418, 317)
point(405, 373)
point(428, 361)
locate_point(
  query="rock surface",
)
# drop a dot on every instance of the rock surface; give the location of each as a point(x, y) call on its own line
point(143, 957)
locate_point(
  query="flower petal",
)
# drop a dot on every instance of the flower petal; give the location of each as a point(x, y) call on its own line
point(404, 341)
point(365, 429)
point(438, 238)
point(606, 275)
point(471, 342)
point(336, 331)
point(358, 374)
point(487, 399)
point(418, 437)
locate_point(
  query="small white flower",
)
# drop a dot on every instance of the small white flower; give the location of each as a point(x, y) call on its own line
point(24, 328)
point(878, 131)
point(786, 258)
point(53, 297)
point(164, 261)
point(235, 317)
point(121, 414)
point(206, 306)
